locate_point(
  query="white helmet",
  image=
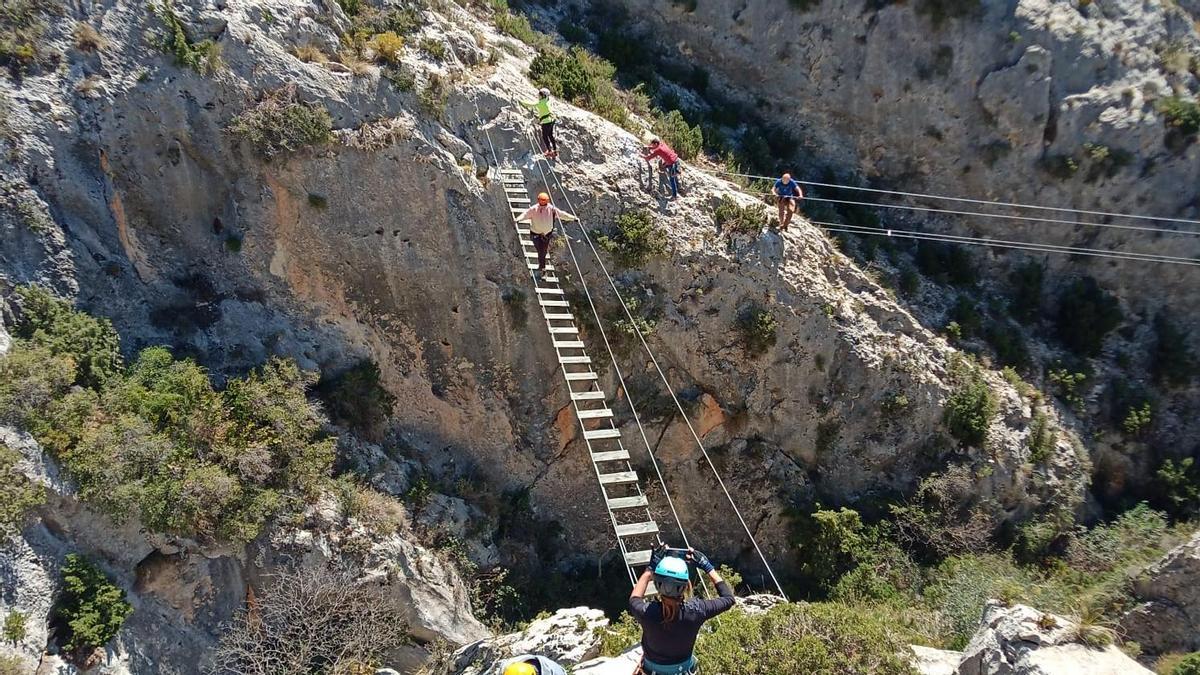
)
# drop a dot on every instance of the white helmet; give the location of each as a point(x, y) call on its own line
point(544, 92)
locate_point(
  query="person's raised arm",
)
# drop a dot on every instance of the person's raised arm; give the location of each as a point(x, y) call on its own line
point(564, 216)
point(527, 216)
point(643, 582)
point(713, 606)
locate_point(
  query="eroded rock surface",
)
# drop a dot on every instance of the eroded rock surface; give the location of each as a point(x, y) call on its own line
point(1168, 618)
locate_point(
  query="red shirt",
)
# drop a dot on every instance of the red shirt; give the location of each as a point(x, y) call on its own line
point(664, 151)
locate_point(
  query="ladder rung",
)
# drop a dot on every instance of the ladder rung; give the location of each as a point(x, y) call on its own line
point(587, 396)
point(563, 329)
point(522, 231)
point(630, 503)
point(648, 527)
point(550, 291)
point(569, 344)
point(601, 433)
point(621, 477)
point(531, 254)
point(558, 317)
point(581, 377)
point(574, 359)
point(611, 456)
point(637, 557)
point(595, 414)
point(554, 303)
point(515, 189)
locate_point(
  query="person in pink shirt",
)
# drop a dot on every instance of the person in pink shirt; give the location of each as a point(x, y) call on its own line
point(541, 227)
point(670, 162)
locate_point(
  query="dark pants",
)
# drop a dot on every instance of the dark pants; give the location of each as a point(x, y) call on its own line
point(541, 242)
point(548, 136)
point(673, 178)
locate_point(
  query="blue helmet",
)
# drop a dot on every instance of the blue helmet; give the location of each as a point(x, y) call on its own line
point(671, 577)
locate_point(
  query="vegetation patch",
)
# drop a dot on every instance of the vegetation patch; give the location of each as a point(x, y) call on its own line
point(685, 139)
point(204, 56)
point(433, 48)
point(941, 11)
point(18, 495)
point(90, 609)
point(1181, 115)
point(388, 47)
point(280, 123)
point(971, 407)
point(586, 81)
point(1043, 438)
point(634, 239)
point(1171, 361)
point(731, 218)
point(23, 24)
point(757, 327)
point(434, 95)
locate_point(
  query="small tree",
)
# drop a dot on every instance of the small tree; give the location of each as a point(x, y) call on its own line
point(758, 327)
point(971, 406)
point(14, 627)
point(317, 620)
point(281, 123)
point(90, 609)
point(635, 239)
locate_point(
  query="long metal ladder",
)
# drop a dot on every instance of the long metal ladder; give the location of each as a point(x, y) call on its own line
point(628, 509)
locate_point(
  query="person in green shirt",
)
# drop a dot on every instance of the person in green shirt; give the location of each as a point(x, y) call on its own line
point(541, 108)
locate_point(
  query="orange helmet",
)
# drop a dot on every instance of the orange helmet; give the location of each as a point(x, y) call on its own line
point(543, 198)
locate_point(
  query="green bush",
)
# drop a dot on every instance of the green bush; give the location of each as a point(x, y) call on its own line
point(686, 140)
point(1137, 418)
point(940, 11)
point(388, 47)
point(971, 406)
point(806, 638)
point(563, 73)
point(18, 495)
point(31, 378)
point(734, 219)
point(1189, 665)
point(14, 627)
point(1043, 438)
point(433, 48)
point(635, 239)
point(1171, 361)
point(1181, 114)
point(757, 327)
point(90, 609)
point(203, 57)
point(357, 398)
point(1178, 484)
point(947, 263)
point(90, 343)
point(518, 26)
point(828, 544)
point(1086, 314)
point(281, 123)
point(23, 47)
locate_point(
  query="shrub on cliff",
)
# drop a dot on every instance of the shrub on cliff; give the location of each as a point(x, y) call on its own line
point(90, 609)
point(17, 493)
point(23, 48)
point(90, 343)
point(971, 406)
point(634, 239)
point(281, 123)
point(687, 140)
point(757, 327)
point(357, 398)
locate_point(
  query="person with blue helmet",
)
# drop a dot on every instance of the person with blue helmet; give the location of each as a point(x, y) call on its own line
point(671, 623)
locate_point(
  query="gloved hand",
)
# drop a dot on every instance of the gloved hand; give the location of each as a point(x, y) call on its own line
point(701, 561)
point(657, 556)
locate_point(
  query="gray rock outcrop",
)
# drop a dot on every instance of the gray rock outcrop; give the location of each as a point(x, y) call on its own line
point(569, 637)
point(1168, 616)
point(1021, 640)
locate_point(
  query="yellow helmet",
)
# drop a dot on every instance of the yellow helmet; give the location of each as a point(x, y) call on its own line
point(520, 668)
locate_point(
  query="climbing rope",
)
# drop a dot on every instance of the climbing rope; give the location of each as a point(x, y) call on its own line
point(966, 200)
point(662, 375)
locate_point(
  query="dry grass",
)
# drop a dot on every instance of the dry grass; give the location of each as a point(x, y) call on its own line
point(309, 53)
point(88, 39)
point(358, 66)
point(89, 87)
point(388, 47)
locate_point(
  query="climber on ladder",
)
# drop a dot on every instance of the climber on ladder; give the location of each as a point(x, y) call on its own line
point(541, 108)
point(529, 664)
point(787, 192)
point(541, 227)
point(671, 623)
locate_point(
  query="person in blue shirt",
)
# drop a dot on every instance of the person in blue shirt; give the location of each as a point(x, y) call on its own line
point(787, 192)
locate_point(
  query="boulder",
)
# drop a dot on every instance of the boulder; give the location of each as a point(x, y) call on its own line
point(1021, 640)
point(569, 636)
point(1168, 618)
point(931, 661)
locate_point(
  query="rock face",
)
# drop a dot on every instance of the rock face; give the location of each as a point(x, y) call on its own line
point(569, 636)
point(1168, 618)
point(1024, 641)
